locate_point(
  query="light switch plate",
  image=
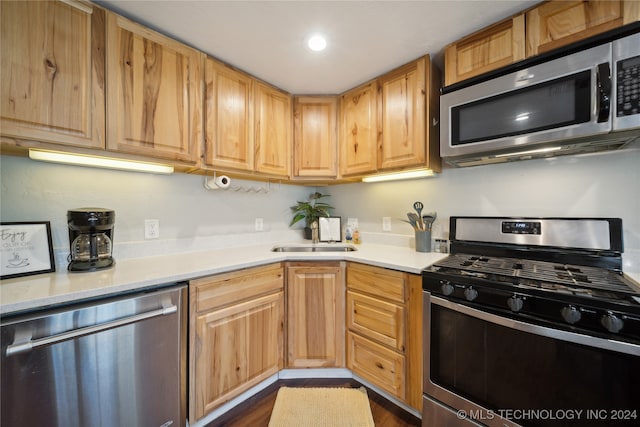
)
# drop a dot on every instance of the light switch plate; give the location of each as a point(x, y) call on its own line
point(352, 223)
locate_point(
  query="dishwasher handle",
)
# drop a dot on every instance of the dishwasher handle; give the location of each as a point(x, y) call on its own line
point(28, 344)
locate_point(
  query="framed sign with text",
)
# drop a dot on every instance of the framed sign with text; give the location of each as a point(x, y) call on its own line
point(25, 249)
point(330, 229)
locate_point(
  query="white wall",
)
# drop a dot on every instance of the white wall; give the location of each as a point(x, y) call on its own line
point(191, 217)
point(598, 185)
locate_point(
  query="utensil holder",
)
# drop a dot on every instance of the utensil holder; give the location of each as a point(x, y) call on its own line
point(423, 241)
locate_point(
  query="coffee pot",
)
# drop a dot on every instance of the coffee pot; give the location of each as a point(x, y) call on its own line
point(90, 238)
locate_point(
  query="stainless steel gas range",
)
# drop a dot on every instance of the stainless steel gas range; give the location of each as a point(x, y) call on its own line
point(530, 322)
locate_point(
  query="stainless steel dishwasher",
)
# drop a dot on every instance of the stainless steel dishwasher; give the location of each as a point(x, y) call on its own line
point(112, 362)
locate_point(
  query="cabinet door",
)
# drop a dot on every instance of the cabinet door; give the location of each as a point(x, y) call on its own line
point(52, 70)
point(237, 347)
point(558, 23)
point(403, 116)
point(315, 315)
point(315, 137)
point(228, 117)
point(491, 48)
point(273, 131)
point(359, 130)
point(153, 85)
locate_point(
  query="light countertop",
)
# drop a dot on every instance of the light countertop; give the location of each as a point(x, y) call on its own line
point(43, 290)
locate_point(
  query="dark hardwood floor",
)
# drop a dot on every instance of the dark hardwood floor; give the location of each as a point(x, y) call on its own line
point(256, 411)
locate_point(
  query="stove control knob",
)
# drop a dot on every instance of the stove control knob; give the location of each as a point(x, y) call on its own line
point(612, 323)
point(515, 303)
point(447, 287)
point(470, 294)
point(570, 314)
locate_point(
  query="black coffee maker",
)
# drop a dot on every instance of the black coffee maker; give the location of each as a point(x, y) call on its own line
point(90, 238)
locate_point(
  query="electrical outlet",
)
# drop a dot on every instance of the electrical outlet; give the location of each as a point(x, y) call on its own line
point(352, 223)
point(259, 224)
point(151, 228)
point(386, 223)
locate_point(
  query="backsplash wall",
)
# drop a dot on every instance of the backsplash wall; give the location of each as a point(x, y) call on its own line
point(193, 218)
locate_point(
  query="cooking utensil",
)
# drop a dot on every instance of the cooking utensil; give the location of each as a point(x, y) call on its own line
point(429, 219)
point(413, 219)
point(418, 206)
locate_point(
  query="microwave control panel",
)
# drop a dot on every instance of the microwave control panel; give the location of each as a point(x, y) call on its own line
point(628, 87)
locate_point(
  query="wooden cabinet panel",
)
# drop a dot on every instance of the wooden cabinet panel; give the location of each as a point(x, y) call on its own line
point(379, 320)
point(228, 288)
point(154, 85)
point(381, 366)
point(315, 315)
point(359, 130)
point(378, 282)
point(273, 130)
point(315, 137)
point(491, 48)
point(53, 73)
point(228, 117)
point(405, 120)
point(559, 23)
point(236, 348)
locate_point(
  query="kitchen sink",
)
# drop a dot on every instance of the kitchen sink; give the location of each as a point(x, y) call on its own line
point(336, 248)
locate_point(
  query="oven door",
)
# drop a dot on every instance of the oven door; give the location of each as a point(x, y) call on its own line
point(498, 371)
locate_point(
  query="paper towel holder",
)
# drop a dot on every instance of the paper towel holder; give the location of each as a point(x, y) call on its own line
point(223, 182)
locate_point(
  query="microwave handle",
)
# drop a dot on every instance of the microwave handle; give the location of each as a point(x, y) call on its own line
point(603, 76)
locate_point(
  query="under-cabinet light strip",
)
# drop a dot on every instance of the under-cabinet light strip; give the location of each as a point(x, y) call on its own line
point(98, 161)
point(393, 176)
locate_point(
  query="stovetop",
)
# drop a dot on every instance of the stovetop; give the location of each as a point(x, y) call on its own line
point(581, 281)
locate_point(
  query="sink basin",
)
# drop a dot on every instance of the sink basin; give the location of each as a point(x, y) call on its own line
point(336, 248)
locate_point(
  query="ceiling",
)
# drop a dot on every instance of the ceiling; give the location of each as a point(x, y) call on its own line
point(365, 38)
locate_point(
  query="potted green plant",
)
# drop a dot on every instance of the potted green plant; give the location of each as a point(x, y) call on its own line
point(310, 211)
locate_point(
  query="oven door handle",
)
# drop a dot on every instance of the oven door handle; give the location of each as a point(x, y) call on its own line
point(617, 346)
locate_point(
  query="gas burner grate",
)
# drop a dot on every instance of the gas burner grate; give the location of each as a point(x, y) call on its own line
point(541, 274)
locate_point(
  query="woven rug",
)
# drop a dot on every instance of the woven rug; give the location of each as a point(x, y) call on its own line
point(321, 407)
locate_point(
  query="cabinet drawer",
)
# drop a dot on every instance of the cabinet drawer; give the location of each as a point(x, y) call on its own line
point(228, 288)
point(383, 367)
point(379, 320)
point(377, 281)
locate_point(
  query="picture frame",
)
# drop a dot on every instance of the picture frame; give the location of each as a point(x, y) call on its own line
point(25, 249)
point(330, 229)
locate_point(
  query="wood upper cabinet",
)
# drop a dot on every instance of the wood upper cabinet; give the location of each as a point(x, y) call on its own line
point(315, 315)
point(384, 330)
point(154, 93)
point(488, 49)
point(228, 117)
point(558, 23)
point(53, 73)
point(315, 137)
point(359, 130)
point(272, 130)
point(409, 111)
point(236, 334)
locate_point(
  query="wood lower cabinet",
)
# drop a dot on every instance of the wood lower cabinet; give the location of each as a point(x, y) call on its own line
point(384, 330)
point(315, 314)
point(236, 334)
point(409, 114)
point(53, 75)
point(315, 150)
point(359, 130)
point(153, 100)
point(555, 24)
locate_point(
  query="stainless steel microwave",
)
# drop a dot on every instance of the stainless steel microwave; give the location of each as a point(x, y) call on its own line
point(585, 101)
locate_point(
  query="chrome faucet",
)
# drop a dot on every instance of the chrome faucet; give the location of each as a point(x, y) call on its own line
point(314, 232)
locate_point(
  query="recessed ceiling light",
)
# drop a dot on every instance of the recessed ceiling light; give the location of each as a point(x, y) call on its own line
point(317, 42)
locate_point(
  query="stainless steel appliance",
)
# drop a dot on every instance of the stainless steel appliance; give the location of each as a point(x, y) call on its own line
point(90, 238)
point(584, 101)
point(530, 322)
point(114, 362)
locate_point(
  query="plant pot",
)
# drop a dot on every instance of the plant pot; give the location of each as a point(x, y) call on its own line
point(307, 233)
